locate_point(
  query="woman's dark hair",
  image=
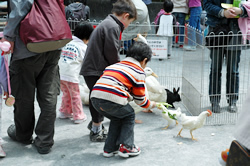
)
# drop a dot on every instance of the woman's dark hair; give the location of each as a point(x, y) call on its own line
point(168, 6)
point(83, 30)
point(125, 6)
point(67, 2)
point(140, 51)
point(84, 2)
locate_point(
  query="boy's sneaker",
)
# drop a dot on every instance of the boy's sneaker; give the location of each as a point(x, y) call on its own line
point(64, 116)
point(105, 131)
point(2, 153)
point(97, 137)
point(126, 152)
point(109, 154)
point(189, 48)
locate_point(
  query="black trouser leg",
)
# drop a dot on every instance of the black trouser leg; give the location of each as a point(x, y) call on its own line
point(96, 116)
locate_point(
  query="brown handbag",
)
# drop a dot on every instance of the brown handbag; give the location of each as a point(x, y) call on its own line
point(238, 155)
point(45, 27)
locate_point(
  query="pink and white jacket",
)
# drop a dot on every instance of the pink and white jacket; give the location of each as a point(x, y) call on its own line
point(244, 23)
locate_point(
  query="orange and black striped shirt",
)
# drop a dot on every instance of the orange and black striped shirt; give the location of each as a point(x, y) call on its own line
point(122, 82)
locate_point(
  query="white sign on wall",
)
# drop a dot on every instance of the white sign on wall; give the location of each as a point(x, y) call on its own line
point(159, 48)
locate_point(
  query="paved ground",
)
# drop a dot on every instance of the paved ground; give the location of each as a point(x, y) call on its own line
point(159, 147)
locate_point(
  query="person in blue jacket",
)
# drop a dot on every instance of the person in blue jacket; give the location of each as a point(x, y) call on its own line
point(147, 2)
point(217, 16)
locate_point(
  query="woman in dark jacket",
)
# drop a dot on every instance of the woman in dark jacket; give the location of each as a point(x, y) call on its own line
point(217, 17)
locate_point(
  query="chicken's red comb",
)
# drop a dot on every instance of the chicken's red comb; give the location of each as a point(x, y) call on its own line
point(210, 112)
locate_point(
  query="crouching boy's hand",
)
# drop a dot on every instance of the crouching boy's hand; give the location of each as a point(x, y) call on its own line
point(153, 104)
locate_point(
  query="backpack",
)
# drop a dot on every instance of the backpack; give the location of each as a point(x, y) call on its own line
point(75, 12)
point(40, 30)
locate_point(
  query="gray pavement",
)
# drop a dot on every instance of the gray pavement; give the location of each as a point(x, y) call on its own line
point(159, 147)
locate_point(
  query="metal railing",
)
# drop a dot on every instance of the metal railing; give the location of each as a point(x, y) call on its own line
point(190, 70)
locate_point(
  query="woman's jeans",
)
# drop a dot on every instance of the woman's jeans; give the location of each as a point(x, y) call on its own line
point(122, 121)
point(180, 17)
point(232, 59)
point(194, 23)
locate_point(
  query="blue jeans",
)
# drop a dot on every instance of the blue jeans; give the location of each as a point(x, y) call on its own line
point(147, 2)
point(127, 44)
point(122, 121)
point(180, 17)
point(194, 22)
point(232, 78)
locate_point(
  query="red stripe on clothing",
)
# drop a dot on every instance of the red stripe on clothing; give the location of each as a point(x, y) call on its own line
point(120, 36)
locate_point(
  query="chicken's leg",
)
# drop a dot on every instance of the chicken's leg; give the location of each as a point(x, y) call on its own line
point(165, 128)
point(192, 136)
point(180, 133)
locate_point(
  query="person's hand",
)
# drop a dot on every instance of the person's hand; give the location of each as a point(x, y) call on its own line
point(230, 13)
point(6, 94)
point(236, 10)
point(11, 46)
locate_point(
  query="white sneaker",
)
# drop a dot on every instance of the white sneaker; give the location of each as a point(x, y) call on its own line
point(79, 121)
point(107, 154)
point(126, 152)
point(64, 116)
point(189, 48)
point(2, 153)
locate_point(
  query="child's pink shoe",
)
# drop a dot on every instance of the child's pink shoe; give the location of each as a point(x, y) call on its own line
point(2, 153)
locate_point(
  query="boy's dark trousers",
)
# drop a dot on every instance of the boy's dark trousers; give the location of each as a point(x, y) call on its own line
point(95, 115)
point(122, 121)
point(36, 75)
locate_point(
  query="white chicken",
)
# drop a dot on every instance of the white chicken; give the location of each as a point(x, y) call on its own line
point(193, 122)
point(84, 91)
point(170, 115)
point(139, 37)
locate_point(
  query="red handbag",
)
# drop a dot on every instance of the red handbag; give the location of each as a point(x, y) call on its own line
point(45, 27)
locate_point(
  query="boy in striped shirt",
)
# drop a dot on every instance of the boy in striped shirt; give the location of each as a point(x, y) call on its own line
point(121, 83)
